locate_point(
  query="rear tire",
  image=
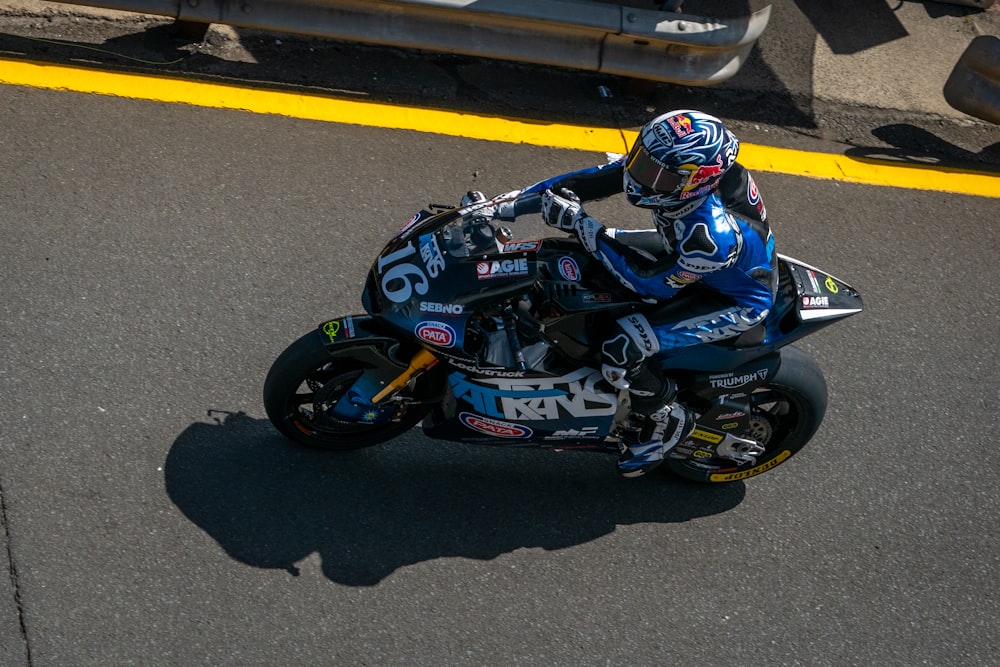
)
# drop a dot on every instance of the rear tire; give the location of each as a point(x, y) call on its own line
point(785, 414)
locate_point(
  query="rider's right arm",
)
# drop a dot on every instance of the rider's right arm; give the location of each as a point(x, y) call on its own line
point(595, 183)
point(588, 184)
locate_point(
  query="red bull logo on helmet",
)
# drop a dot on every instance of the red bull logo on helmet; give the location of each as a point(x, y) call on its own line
point(702, 179)
point(681, 125)
point(705, 174)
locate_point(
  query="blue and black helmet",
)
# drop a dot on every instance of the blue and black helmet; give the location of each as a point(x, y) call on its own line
point(678, 158)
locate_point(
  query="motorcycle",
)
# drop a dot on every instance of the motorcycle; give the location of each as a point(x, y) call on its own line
point(488, 339)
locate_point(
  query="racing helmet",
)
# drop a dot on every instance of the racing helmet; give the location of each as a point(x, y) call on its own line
point(678, 158)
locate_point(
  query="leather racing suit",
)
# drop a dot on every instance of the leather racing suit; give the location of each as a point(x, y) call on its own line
point(721, 241)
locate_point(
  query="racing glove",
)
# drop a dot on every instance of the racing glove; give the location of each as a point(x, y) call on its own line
point(503, 210)
point(565, 212)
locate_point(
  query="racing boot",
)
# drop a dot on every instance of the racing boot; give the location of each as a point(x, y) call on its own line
point(628, 364)
point(659, 432)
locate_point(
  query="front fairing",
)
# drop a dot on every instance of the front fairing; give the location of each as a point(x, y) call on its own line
point(431, 277)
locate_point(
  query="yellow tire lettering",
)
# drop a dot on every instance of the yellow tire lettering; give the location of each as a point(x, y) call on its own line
point(756, 470)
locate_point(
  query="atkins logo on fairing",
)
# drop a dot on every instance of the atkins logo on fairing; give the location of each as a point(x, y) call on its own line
point(536, 399)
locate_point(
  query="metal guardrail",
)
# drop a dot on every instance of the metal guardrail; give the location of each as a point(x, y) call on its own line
point(594, 36)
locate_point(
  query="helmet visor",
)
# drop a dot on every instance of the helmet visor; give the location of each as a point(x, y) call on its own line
point(648, 173)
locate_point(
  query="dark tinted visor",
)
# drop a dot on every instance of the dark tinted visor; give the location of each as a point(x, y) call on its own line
point(647, 173)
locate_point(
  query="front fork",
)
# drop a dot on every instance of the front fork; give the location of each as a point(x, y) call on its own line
point(370, 396)
point(368, 400)
point(421, 362)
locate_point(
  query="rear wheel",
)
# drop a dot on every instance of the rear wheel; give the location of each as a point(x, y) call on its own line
point(784, 414)
point(318, 397)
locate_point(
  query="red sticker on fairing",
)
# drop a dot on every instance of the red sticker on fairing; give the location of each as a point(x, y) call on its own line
point(506, 268)
point(494, 427)
point(436, 333)
point(815, 302)
point(568, 269)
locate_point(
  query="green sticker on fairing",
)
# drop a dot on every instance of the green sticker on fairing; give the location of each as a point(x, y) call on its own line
point(338, 330)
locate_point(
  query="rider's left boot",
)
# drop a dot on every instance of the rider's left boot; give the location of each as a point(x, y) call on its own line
point(661, 431)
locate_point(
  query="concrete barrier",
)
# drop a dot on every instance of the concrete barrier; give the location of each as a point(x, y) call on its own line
point(974, 84)
point(982, 4)
point(595, 36)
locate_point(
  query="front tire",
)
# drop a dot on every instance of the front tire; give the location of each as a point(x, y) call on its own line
point(309, 383)
point(785, 413)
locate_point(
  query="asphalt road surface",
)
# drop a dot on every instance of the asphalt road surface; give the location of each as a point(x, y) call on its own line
point(155, 259)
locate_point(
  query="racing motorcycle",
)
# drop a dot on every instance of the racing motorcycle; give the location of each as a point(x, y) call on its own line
point(485, 338)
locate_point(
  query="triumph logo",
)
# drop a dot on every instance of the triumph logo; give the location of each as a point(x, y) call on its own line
point(737, 381)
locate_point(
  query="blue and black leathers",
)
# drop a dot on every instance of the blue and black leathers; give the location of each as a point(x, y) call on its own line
point(721, 241)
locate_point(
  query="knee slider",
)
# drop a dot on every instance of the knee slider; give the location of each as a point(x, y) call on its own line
point(631, 341)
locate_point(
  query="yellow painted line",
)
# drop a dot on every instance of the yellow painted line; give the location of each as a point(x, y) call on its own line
point(308, 106)
point(473, 126)
point(869, 171)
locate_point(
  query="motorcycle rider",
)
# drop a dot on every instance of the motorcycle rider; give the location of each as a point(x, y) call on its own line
point(710, 228)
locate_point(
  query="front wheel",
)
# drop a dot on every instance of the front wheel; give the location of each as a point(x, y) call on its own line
point(320, 397)
point(784, 414)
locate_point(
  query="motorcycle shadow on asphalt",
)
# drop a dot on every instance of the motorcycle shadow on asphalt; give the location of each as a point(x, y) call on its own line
point(368, 512)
